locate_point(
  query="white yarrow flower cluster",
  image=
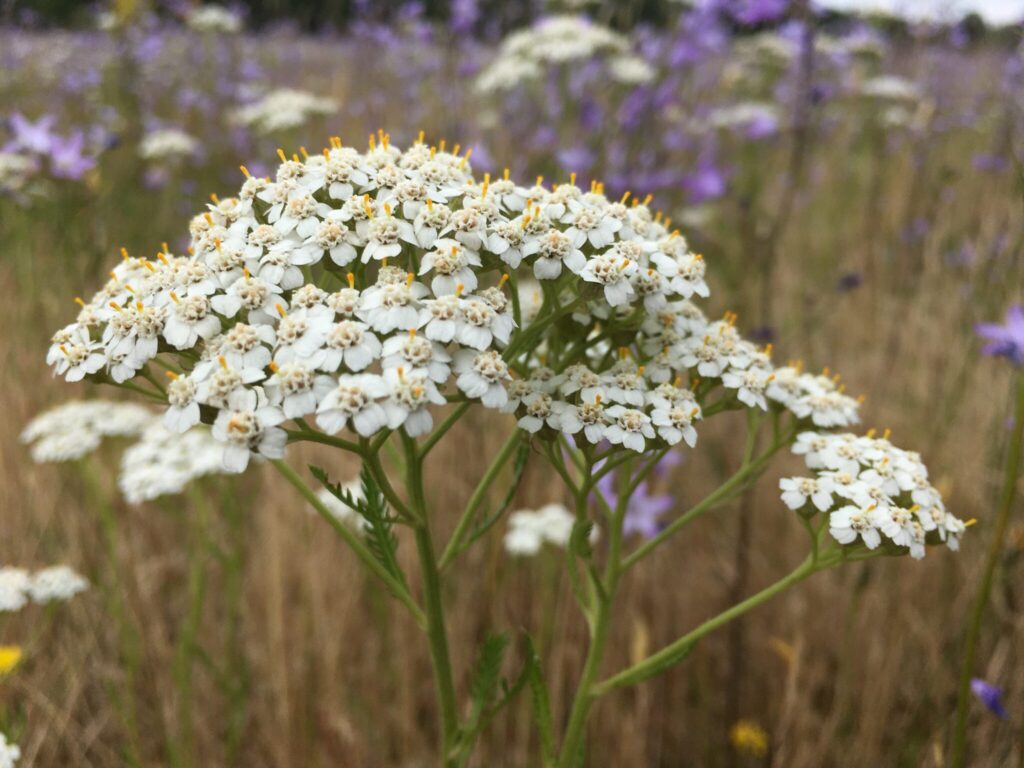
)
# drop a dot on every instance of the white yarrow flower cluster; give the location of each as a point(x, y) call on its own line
point(528, 530)
point(525, 55)
point(872, 492)
point(160, 461)
point(283, 109)
point(19, 587)
point(76, 428)
point(167, 144)
point(213, 18)
point(360, 290)
point(10, 753)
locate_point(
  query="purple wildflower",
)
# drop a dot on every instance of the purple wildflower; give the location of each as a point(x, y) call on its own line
point(644, 512)
point(708, 182)
point(989, 695)
point(36, 137)
point(66, 158)
point(1006, 340)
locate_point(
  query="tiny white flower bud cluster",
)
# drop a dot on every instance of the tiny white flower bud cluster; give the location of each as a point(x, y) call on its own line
point(528, 530)
point(871, 491)
point(359, 289)
point(525, 55)
point(19, 587)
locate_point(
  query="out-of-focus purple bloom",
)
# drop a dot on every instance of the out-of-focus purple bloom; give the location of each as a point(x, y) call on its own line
point(850, 281)
point(67, 160)
point(989, 162)
point(989, 695)
point(753, 12)
point(35, 137)
point(464, 16)
point(707, 183)
point(761, 126)
point(644, 513)
point(762, 334)
point(1006, 340)
point(577, 158)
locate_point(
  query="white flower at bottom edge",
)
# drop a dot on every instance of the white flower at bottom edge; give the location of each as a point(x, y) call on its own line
point(481, 376)
point(849, 522)
point(797, 490)
point(628, 428)
point(354, 399)
point(246, 432)
point(407, 404)
point(9, 753)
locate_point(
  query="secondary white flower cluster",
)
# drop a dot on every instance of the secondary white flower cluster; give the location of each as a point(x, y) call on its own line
point(10, 753)
point(18, 587)
point(354, 288)
point(282, 110)
point(871, 490)
point(167, 144)
point(213, 18)
point(525, 55)
point(160, 461)
point(163, 462)
point(76, 428)
point(528, 530)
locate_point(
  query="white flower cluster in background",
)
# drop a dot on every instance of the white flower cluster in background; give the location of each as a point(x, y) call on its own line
point(19, 587)
point(213, 18)
point(76, 428)
point(528, 530)
point(283, 109)
point(159, 462)
point(9, 753)
point(871, 491)
point(341, 511)
point(526, 55)
point(167, 144)
point(164, 462)
point(360, 289)
point(15, 172)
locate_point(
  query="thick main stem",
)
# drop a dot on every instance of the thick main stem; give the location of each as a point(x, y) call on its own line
point(604, 597)
point(437, 634)
point(995, 551)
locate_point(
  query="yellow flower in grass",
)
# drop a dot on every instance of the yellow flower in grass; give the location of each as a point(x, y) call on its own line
point(748, 738)
point(10, 655)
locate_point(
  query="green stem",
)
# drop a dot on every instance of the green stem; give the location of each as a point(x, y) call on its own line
point(452, 549)
point(437, 634)
point(747, 470)
point(352, 539)
point(995, 551)
point(603, 600)
point(678, 650)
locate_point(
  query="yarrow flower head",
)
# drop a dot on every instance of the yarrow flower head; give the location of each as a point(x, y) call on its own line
point(361, 291)
point(872, 492)
point(9, 753)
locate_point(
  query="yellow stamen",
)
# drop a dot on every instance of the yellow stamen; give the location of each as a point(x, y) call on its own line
point(245, 171)
point(281, 154)
point(409, 277)
point(223, 362)
point(351, 280)
point(174, 298)
point(280, 310)
point(171, 375)
point(272, 366)
point(79, 302)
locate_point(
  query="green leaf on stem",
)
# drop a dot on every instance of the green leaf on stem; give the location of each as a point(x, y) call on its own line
point(541, 703)
point(373, 508)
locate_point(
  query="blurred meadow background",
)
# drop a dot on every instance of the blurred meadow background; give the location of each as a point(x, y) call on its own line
point(854, 185)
